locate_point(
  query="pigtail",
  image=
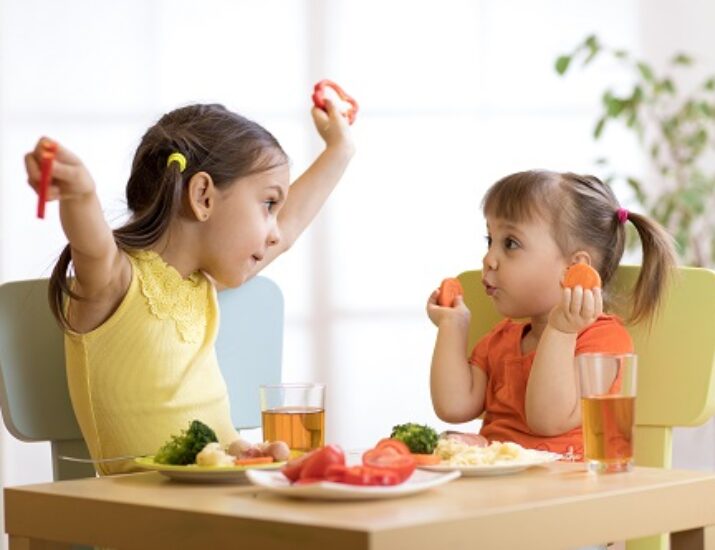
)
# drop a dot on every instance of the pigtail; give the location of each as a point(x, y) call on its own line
point(656, 269)
point(148, 225)
point(59, 287)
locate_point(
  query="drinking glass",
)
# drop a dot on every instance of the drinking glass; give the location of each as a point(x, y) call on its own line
point(294, 413)
point(608, 402)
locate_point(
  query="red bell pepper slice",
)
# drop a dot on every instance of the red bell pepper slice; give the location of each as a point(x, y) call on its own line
point(350, 106)
point(47, 156)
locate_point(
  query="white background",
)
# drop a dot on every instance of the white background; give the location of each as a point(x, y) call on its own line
point(454, 95)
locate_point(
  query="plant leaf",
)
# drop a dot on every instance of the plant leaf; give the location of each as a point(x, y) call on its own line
point(646, 71)
point(562, 64)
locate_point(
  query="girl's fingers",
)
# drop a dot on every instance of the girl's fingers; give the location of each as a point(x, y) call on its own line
point(588, 307)
point(576, 301)
point(566, 300)
point(598, 301)
point(33, 170)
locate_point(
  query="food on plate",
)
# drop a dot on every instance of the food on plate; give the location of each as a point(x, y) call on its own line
point(391, 455)
point(213, 454)
point(582, 275)
point(243, 450)
point(182, 449)
point(419, 438)
point(448, 291)
point(342, 101)
point(466, 438)
point(456, 453)
point(389, 464)
point(312, 466)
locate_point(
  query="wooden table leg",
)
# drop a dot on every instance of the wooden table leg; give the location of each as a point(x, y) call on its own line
point(694, 539)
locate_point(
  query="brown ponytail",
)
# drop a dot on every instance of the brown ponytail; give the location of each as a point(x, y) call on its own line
point(212, 139)
point(656, 269)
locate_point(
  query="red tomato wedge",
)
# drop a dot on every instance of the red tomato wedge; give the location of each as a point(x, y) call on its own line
point(253, 460)
point(387, 458)
point(294, 467)
point(396, 444)
point(317, 463)
point(366, 475)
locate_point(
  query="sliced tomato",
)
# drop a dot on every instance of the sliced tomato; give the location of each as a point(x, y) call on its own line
point(387, 458)
point(253, 460)
point(294, 467)
point(396, 444)
point(426, 459)
point(317, 463)
point(364, 475)
point(336, 473)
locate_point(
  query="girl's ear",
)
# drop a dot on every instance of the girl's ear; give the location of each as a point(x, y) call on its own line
point(581, 257)
point(201, 195)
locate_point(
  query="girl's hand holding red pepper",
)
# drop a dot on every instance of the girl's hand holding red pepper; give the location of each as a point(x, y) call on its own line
point(333, 126)
point(329, 90)
point(68, 176)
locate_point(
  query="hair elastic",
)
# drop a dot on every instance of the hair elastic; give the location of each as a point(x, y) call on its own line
point(622, 215)
point(177, 157)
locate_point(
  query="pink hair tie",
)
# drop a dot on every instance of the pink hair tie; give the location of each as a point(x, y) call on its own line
point(622, 215)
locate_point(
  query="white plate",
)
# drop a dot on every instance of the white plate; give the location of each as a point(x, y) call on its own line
point(204, 474)
point(420, 480)
point(503, 468)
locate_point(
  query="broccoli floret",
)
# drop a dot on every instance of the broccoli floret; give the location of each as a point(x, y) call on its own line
point(183, 448)
point(419, 438)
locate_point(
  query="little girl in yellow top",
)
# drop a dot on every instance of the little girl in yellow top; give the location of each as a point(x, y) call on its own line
point(210, 207)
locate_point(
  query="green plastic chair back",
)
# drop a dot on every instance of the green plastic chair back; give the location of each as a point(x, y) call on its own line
point(34, 396)
point(676, 359)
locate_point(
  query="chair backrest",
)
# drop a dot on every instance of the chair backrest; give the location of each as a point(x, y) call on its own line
point(676, 355)
point(34, 396)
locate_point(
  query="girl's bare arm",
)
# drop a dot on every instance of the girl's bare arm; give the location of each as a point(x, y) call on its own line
point(101, 270)
point(457, 387)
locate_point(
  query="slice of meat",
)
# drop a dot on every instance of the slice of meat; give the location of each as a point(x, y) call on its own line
point(466, 438)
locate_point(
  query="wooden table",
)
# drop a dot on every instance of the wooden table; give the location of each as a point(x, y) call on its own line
point(550, 507)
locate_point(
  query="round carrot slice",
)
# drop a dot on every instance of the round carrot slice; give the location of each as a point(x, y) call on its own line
point(425, 459)
point(448, 291)
point(582, 275)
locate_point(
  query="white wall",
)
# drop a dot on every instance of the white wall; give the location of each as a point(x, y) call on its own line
point(454, 94)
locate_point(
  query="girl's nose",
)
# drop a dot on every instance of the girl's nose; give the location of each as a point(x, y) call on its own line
point(490, 262)
point(274, 236)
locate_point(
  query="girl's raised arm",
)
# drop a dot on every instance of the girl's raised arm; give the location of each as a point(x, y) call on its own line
point(457, 388)
point(101, 269)
point(310, 191)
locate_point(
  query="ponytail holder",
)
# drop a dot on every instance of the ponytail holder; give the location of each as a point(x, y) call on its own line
point(177, 157)
point(622, 215)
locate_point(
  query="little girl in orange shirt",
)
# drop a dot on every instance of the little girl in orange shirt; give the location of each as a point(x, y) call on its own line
point(521, 374)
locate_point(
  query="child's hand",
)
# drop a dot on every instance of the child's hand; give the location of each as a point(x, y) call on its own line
point(458, 313)
point(578, 309)
point(333, 127)
point(70, 178)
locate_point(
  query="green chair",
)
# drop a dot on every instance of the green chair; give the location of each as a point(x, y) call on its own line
point(676, 361)
point(34, 397)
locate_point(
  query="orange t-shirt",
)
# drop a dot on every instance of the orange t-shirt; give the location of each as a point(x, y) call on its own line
point(499, 355)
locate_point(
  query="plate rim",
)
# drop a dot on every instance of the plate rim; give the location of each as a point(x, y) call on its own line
point(147, 463)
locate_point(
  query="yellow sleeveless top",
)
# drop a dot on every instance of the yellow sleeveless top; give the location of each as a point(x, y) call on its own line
point(151, 368)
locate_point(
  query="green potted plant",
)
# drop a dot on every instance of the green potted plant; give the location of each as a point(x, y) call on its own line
point(677, 131)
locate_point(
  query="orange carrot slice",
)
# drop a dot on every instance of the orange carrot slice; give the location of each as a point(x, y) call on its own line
point(425, 459)
point(581, 275)
point(448, 291)
point(252, 461)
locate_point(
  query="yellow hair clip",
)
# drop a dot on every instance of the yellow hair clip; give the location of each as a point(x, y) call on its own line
point(177, 157)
